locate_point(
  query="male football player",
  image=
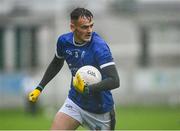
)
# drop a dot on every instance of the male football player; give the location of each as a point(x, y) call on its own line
point(90, 106)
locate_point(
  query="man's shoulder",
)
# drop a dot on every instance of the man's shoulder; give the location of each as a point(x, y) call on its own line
point(98, 40)
point(65, 37)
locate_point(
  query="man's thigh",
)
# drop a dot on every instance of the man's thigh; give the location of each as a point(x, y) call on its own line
point(64, 122)
point(96, 121)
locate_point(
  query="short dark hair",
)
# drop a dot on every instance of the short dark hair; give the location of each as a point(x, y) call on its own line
point(80, 12)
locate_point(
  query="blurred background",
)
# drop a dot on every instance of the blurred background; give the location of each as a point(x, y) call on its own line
point(144, 37)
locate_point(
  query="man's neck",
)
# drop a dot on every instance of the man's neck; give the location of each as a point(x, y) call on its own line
point(76, 42)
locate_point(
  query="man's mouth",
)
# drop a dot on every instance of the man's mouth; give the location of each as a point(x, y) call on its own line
point(88, 35)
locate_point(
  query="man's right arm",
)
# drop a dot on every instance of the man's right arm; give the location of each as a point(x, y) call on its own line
point(53, 68)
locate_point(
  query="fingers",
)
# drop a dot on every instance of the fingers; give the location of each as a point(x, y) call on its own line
point(80, 80)
point(33, 96)
point(78, 83)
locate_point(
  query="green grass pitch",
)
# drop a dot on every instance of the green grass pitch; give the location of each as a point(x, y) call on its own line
point(147, 118)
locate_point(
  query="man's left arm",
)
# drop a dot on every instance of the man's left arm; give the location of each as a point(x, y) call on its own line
point(111, 81)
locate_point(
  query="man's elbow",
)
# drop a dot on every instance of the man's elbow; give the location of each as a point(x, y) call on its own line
point(116, 82)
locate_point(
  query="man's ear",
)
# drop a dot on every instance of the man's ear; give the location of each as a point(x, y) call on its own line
point(72, 26)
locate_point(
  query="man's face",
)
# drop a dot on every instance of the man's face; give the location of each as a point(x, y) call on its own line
point(82, 29)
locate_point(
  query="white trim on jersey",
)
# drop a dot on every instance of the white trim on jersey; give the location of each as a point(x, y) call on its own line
point(107, 64)
point(60, 57)
point(77, 44)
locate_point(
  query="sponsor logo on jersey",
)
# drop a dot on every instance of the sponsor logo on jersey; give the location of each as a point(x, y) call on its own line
point(69, 52)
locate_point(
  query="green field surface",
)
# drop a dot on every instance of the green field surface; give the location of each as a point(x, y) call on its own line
point(128, 118)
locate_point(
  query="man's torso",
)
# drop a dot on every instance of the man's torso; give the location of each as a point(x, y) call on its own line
point(95, 53)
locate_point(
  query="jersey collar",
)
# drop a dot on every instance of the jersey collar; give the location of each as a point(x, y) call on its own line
point(78, 44)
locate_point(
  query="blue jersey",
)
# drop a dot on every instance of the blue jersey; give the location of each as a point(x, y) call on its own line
point(95, 53)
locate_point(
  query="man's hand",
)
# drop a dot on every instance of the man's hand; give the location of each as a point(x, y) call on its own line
point(80, 85)
point(33, 96)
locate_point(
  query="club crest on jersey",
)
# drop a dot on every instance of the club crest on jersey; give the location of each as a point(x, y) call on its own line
point(82, 54)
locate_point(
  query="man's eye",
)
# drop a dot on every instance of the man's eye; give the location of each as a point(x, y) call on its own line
point(84, 27)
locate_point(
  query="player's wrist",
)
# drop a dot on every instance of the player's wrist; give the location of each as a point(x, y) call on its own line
point(40, 88)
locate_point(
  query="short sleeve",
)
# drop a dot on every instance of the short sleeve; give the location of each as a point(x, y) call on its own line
point(59, 48)
point(103, 55)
